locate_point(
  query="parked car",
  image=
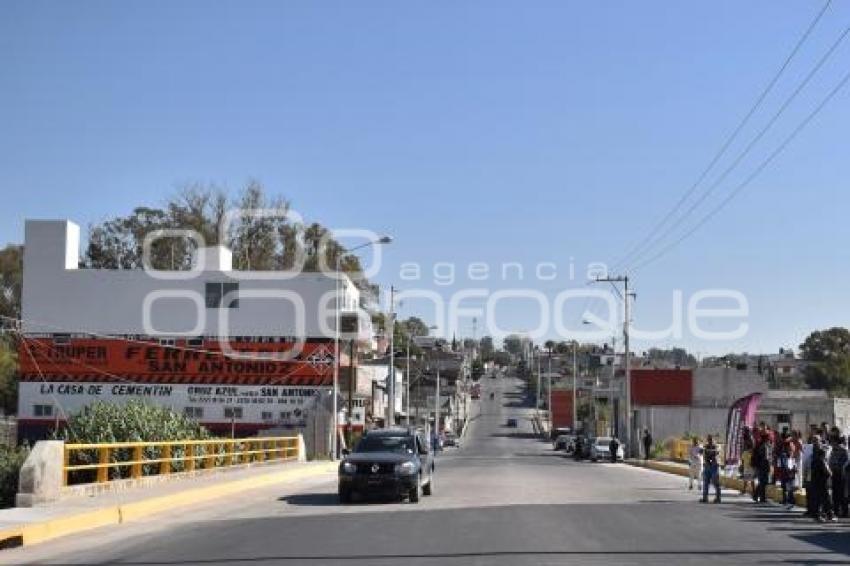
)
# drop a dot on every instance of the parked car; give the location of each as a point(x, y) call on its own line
point(450, 439)
point(562, 442)
point(559, 431)
point(600, 449)
point(397, 462)
point(581, 447)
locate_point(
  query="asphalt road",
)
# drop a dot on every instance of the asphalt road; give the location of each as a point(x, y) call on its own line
point(503, 498)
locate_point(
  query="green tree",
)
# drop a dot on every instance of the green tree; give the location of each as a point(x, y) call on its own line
point(513, 344)
point(675, 356)
point(11, 280)
point(824, 345)
point(258, 241)
point(829, 354)
point(486, 348)
point(8, 377)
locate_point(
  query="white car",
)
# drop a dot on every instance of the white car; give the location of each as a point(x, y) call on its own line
point(600, 449)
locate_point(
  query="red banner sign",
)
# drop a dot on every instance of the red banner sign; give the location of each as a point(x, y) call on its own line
point(246, 362)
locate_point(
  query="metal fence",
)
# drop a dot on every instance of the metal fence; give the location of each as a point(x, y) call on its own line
point(104, 462)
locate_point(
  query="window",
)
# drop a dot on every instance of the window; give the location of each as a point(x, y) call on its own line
point(233, 412)
point(61, 338)
point(215, 292)
point(267, 416)
point(167, 342)
point(195, 342)
point(43, 410)
point(194, 412)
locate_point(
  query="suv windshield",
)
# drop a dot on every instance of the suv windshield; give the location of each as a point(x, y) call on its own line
point(399, 444)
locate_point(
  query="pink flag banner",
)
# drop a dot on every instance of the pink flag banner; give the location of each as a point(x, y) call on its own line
point(742, 413)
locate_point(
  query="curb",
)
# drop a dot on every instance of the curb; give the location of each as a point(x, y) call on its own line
point(773, 493)
point(36, 532)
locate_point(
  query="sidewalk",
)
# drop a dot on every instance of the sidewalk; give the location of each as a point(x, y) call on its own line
point(774, 493)
point(29, 525)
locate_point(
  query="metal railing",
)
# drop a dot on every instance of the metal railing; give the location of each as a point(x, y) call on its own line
point(104, 462)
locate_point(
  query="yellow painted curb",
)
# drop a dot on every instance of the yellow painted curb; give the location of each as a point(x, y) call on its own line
point(773, 492)
point(34, 533)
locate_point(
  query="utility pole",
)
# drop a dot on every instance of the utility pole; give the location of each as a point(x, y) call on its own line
point(531, 372)
point(624, 279)
point(437, 401)
point(389, 419)
point(575, 384)
point(407, 388)
point(549, 399)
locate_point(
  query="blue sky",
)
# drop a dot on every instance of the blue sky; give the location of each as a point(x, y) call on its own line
point(471, 131)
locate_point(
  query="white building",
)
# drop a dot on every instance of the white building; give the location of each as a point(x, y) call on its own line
point(236, 350)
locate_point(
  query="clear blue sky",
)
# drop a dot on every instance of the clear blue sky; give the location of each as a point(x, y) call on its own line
point(470, 131)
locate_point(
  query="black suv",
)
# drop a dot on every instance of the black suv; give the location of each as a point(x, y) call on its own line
point(396, 462)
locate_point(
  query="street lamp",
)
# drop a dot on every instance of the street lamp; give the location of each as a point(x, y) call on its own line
point(338, 309)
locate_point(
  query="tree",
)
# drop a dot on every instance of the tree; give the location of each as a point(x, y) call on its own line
point(501, 358)
point(829, 352)
point(257, 232)
point(825, 345)
point(513, 344)
point(675, 356)
point(8, 377)
point(415, 326)
point(11, 280)
point(260, 235)
point(486, 348)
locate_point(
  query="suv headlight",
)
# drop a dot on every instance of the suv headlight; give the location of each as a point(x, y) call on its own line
point(406, 468)
point(349, 468)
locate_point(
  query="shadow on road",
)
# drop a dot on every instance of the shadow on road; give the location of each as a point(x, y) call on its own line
point(311, 499)
point(529, 435)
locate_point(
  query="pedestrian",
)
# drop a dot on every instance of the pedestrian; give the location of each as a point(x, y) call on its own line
point(695, 464)
point(647, 444)
point(838, 460)
point(613, 448)
point(787, 472)
point(820, 483)
point(807, 454)
point(747, 473)
point(762, 458)
point(710, 470)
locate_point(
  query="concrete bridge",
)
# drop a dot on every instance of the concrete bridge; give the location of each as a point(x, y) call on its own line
point(504, 497)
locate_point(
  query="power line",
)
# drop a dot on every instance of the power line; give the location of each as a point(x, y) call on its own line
point(728, 142)
point(752, 176)
point(708, 192)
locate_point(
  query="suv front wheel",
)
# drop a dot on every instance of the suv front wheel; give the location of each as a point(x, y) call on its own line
point(429, 487)
point(416, 492)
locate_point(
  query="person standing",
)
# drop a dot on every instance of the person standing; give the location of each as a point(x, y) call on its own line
point(647, 444)
point(807, 454)
point(695, 464)
point(762, 458)
point(613, 448)
point(747, 474)
point(820, 483)
point(787, 472)
point(838, 460)
point(711, 470)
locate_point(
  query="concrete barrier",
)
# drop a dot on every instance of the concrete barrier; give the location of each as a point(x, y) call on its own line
point(42, 475)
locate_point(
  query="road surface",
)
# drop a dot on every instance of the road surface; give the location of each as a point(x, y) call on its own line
point(503, 498)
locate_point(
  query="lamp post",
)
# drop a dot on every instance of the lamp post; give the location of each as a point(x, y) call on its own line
point(338, 308)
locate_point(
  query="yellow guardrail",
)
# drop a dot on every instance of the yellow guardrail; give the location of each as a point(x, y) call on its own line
point(165, 457)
